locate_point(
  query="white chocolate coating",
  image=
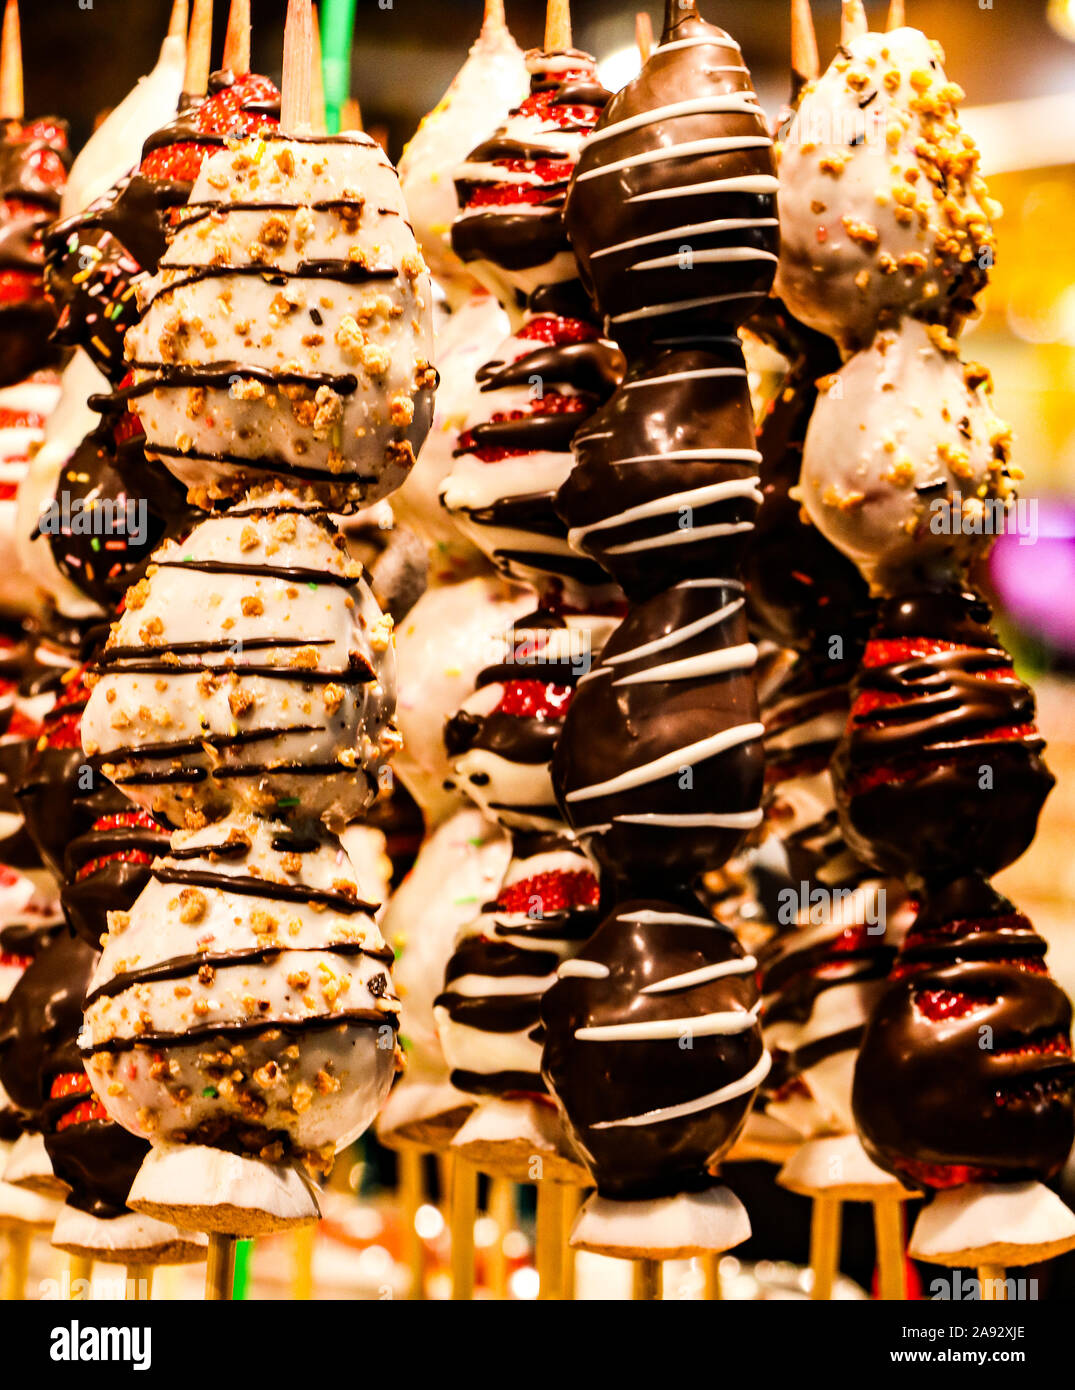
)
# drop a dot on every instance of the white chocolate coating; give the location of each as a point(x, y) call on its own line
point(289, 331)
point(882, 210)
point(491, 81)
point(211, 725)
point(544, 934)
point(901, 429)
point(459, 867)
point(284, 994)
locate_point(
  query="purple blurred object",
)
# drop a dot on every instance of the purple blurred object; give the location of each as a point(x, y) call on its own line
point(1033, 569)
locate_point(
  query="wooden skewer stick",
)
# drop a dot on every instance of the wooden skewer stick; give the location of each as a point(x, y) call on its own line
point(853, 21)
point(296, 85)
point(302, 1263)
point(502, 1211)
point(237, 38)
point(318, 119)
point(549, 1252)
point(220, 1268)
point(139, 1283)
point(16, 1265)
point(410, 1199)
point(558, 26)
point(888, 1230)
point(648, 1281)
point(494, 21)
point(994, 1287)
point(199, 49)
point(464, 1182)
point(177, 21)
point(11, 99)
point(713, 1293)
point(572, 1200)
point(805, 65)
point(824, 1246)
point(80, 1271)
point(644, 35)
point(897, 15)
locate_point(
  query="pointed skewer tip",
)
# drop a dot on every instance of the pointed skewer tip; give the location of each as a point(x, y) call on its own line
point(177, 20)
point(853, 21)
point(318, 118)
point(494, 21)
point(296, 84)
point(644, 35)
point(804, 60)
point(199, 49)
point(237, 38)
point(11, 97)
point(558, 26)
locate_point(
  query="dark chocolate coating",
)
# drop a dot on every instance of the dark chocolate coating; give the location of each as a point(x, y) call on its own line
point(97, 880)
point(613, 729)
point(38, 661)
point(802, 591)
point(583, 371)
point(909, 774)
point(39, 1028)
point(21, 941)
point(34, 159)
point(936, 1095)
point(108, 470)
point(72, 247)
point(598, 1081)
point(644, 232)
point(795, 976)
point(59, 793)
point(648, 449)
point(813, 690)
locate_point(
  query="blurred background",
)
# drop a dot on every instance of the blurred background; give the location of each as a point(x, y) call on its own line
point(1016, 61)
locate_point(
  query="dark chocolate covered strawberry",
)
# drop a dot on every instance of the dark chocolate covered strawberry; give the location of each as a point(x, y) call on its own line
point(107, 866)
point(939, 773)
point(34, 159)
point(965, 1073)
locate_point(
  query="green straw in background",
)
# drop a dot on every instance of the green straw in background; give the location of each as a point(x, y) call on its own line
point(337, 35)
point(244, 1249)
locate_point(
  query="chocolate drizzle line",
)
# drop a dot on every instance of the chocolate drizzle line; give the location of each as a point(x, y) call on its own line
point(183, 967)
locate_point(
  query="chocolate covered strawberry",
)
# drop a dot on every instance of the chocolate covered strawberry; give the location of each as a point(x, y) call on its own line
point(59, 793)
point(94, 256)
point(41, 1068)
point(34, 159)
point(489, 1014)
point(107, 866)
point(939, 772)
point(965, 1073)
